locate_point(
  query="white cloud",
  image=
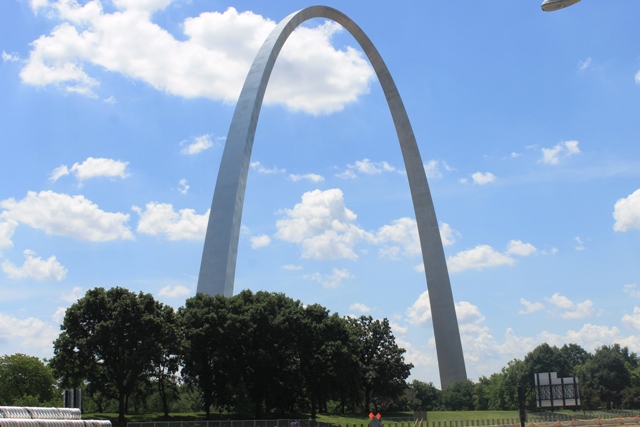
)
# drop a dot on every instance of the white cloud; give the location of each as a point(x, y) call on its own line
point(73, 296)
point(58, 316)
point(64, 215)
point(432, 169)
point(292, 267)
point(419, 314)
point(398, 329)
point(568, 310)
point(468, 314)
point(256, 166)
point(359, 307)
point(323, 226)
point(368, 167)
point(530, 307)
point(632, 290)
point(347, 174)
point(59, 172)
point(332, 280)
point(516, 247)
point(637, 77)
point(260, 241)
point(579, 244)
point(626, 212)
point(583, 65)
point(403, 233)
point(447, 234)
point(110, 100)
point(176, 291)
point(211, 62)
point(160, 219)
point(35, 268)
point(632, 320)
point(92, 168)
point(184, 187)
point(7, 228)
point(199, 144)
point(10, 57)
point(480, 257)
point(552, 155)
point(313, 177)
point(30, 334)
point(483, 178)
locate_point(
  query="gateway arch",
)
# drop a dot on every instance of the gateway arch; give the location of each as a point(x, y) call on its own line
point(218, 266)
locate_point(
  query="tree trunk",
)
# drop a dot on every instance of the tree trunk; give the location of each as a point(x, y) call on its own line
point(121, 408)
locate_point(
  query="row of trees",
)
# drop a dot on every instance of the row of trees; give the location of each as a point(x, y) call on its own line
point(254, 352)
point(608, 378)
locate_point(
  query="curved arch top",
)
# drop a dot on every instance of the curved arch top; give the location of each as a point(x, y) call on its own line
point(217, 269)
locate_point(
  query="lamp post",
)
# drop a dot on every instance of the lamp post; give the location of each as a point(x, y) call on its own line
point(551, 5)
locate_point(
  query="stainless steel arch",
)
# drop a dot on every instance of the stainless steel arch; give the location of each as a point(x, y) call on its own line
point(217, 269)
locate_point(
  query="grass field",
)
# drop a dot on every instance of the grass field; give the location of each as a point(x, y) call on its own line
point(337, 419)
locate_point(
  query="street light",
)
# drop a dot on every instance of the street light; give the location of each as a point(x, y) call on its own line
point(551, 5)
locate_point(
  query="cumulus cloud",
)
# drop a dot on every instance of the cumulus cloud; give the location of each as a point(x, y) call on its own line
point(159, 219)
point(483, 178)
point(31, 335)
point(368, 167)
point(184, 187)
point(516, 247)
point(260, 241)
point(323, 226)
point(332, 280)
point(92, 168)
point(626, 212)
point(359, 307)
point(258, 167)
point(419, 314)
point(567, 309)
point(579, 244)
point(64, 215)
point(199, 144)
point(7, 228)
point(401, 237)
point(10, 57)
point(482, 256)
point(212, 60)
point(632, 290)
point(553, 155)
point(73, 296)
point(175, 291)
point(530, 307)
point(35, 268)
point(632, 320)
point(433, 171)
point(403, 233)
point(313, 177)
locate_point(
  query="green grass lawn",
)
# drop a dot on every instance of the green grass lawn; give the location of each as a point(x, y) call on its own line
point(336, 419)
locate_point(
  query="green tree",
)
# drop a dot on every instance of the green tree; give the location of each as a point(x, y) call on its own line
point(381, 362)
point(458, 396)
point(423, 396)
point(574, 355)
point(607, 374)
point(25, 380)
point(214, 330)
point(109, 340)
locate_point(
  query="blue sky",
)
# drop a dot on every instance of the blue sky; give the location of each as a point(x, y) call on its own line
point(113, 117)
